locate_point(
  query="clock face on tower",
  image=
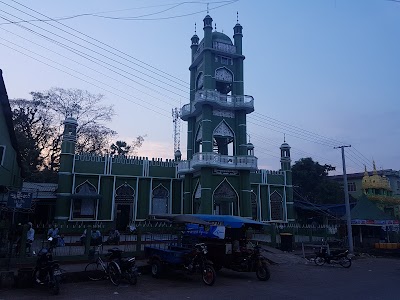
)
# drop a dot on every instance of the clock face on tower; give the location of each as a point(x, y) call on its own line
point(224, 75)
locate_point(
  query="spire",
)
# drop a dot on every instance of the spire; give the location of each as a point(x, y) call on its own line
point(237, 17)
point(365, 171)
point(215, 28)
point(373, 163)
point(284, 137)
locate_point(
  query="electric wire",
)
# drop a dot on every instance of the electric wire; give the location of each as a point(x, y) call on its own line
point(96, 60)
point(99, 42)
point(98, 86)
point(301, 132)
point(90, 68)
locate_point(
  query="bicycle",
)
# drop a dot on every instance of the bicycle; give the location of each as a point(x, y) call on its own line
point(98, 269)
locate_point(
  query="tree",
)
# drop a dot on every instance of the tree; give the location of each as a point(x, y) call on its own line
point(312, 182)
point(38, 125)
point(122, 148)
point(32, 126)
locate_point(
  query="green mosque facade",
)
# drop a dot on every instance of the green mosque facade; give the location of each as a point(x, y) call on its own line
point(220, 175)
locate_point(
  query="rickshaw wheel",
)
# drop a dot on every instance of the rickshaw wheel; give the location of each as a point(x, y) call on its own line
point(208, 275)
point(156, 268)
point(263, 273)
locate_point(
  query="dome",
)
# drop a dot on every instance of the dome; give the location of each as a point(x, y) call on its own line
point(221, 37)
point(285, 146)
point(250, 146)
point(178, 153)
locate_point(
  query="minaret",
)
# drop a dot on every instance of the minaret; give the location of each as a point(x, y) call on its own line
point(287, 168)
point(66, 169)
point(217, 150)
point(285, 157)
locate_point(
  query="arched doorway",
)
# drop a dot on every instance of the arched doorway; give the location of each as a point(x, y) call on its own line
point(225, 199)
point(124, 204)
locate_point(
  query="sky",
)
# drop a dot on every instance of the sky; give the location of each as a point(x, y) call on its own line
point(324, 73)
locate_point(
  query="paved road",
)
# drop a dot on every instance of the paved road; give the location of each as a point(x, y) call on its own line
point(370, 278)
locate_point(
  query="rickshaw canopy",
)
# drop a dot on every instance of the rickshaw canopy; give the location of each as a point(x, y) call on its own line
point(230, 221)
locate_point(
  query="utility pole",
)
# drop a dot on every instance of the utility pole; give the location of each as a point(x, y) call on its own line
point(346, 197)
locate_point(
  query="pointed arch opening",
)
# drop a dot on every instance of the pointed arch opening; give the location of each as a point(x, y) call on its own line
point(196, 208)
point(124, 206)
point(198, 147)
point(223, 139)
point(225, 199)
point(159, 200)
point(276, 206)
point(254, 206)
point(84, 202)
point(223, 80)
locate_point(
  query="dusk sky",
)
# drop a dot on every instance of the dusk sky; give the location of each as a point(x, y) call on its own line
point(323, 72)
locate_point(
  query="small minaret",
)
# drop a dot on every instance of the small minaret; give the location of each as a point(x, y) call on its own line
point(66, 168)
point(285, 157)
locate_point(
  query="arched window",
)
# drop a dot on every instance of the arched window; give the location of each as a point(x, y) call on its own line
point(223, 139)
point(276, 206)
point(159, 201)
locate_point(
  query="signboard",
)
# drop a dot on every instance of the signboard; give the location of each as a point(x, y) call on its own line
point(214, 231)
point(19, 199)
point(225, 172)
point(374, 222)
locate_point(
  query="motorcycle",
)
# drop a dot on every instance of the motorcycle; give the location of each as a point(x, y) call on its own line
point(128, 267)
point(47, 272)
point(196, 261)
point(250, 260)
point(340, 257)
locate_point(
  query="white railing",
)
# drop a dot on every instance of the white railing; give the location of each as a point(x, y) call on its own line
point(219, 161)
point(231, 101)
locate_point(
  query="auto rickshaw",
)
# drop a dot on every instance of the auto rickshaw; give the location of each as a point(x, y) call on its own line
point(233, 249)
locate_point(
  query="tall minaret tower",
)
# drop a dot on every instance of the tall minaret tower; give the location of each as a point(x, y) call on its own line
point(286, 167)
point(66, 168)
point(217, 173)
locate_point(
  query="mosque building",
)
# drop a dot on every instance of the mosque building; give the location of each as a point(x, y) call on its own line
point(220, 175)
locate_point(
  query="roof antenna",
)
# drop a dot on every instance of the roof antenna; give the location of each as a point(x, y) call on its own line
point(237, 17)
point(284, 137)
point(195, 28)
point(207, 9)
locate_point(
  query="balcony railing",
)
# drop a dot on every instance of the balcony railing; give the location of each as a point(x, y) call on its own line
point(220, 100)
point(216, 160)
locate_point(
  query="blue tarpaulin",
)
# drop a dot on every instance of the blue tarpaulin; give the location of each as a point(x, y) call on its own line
point(230, 221)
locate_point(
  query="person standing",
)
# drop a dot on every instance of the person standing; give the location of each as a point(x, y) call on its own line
point(30, 237)
point(53, 233)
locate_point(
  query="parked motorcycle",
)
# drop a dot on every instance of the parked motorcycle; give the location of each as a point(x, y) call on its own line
point(128, 267)
point(47, 272)
point(197, 262)
point(249, 260)
point(340, 257)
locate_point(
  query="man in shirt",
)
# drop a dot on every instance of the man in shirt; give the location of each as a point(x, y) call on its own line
point(30, 237)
